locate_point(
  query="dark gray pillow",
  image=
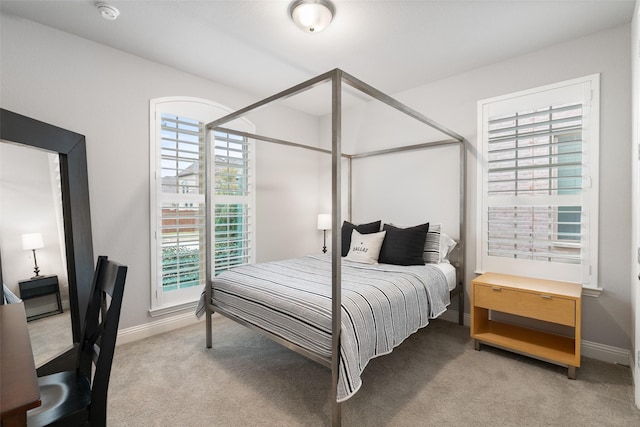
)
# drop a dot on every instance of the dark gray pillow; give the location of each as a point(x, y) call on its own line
point(347, 229)
point(404, 246)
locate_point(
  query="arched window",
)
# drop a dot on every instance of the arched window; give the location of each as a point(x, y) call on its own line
point(178, 210)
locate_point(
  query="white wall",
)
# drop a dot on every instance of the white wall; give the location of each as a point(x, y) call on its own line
point(382, 186)
point(635, 196)
point(104, 94)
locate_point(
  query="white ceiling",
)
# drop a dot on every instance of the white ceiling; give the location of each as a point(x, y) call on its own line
point(393, 45)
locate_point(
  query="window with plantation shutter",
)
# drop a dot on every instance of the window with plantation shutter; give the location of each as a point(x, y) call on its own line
point(538, 182)
point(178, 208)
point(182, 202)
point(232, 214)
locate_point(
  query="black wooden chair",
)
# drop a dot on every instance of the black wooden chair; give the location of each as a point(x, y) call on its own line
point(78, 398)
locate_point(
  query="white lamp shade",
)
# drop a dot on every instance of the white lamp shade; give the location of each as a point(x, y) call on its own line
point(312, 16)
point(32, 241)
point(324, 221)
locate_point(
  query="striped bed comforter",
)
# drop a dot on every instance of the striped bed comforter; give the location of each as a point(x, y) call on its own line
point(381, 306)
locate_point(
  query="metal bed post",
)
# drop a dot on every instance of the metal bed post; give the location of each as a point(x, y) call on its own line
point(208, 153)
point(463, 229)
point(336, 255)
point(350, 187)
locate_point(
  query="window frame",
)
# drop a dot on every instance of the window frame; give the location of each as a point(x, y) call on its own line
point(204, 111)
point(587, 91)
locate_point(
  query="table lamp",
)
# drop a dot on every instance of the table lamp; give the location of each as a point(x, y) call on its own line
point(324, 224)
point(31, 242)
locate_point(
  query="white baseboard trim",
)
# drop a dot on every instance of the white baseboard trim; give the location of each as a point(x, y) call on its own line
point(157, 327)
point(606, 353)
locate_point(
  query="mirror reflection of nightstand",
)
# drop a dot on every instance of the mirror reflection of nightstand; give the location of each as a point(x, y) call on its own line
point(41, 286)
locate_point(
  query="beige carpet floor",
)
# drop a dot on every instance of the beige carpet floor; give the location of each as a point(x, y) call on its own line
point(435, 378)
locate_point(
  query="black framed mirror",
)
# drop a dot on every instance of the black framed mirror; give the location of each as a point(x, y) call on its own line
point(71, 148)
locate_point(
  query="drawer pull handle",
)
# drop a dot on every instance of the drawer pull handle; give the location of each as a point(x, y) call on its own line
point(545, 296)
point(496, 288)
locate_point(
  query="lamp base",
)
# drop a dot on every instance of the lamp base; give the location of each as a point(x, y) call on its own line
point(324, 247)
point(36, 269)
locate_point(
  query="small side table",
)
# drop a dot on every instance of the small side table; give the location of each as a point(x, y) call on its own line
point(545, 300)
point(41, 286)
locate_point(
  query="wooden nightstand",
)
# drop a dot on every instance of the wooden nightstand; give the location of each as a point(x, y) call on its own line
point(41, 286)
point(545, 300)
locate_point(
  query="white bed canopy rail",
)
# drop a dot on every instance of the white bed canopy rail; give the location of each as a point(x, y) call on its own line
point(337, 77)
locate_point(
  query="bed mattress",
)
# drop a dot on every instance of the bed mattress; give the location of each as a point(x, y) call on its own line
point(449, 272)
point(381, 306)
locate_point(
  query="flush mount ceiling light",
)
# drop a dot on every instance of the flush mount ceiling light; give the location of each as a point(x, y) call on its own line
point(312, 16)
point(107, 11)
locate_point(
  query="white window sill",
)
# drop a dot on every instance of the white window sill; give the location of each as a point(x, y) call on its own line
point(161, 311)
point(591, 292)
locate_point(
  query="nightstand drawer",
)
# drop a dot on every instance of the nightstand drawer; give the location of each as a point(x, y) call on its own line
point(35, 287)
point(528, 304)
point(40, 286)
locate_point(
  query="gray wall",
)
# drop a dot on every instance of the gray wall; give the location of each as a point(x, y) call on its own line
point(635, 166)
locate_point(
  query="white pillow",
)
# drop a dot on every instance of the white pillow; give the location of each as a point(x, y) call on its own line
point(446, 246)
point(365, 248)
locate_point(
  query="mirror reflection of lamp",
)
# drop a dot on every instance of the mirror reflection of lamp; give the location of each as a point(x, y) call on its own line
point(324, 224)
point(31, 242)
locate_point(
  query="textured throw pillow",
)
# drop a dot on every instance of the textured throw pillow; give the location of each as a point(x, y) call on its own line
point(347, 229)
point(432, 244)
point(404, 246)
point(365, 248)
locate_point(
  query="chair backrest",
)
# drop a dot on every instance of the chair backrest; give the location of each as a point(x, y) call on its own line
point(99, 333)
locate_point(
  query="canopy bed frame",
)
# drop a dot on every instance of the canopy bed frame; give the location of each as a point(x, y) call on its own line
point(337, 78)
